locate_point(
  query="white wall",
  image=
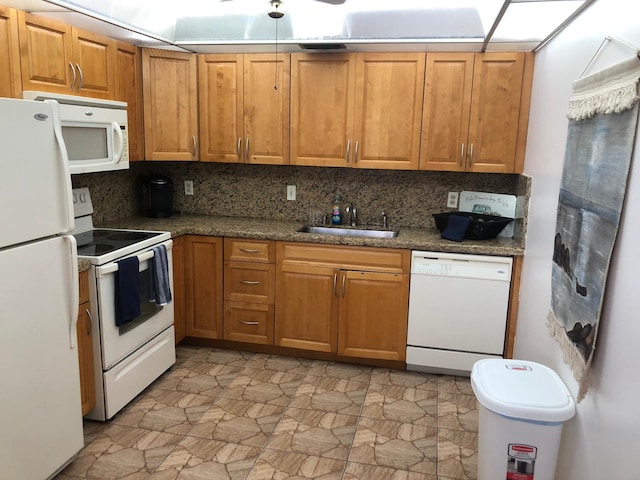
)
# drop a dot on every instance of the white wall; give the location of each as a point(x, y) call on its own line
point(603, 440)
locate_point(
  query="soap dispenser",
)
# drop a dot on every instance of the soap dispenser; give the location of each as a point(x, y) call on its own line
point(336, 213)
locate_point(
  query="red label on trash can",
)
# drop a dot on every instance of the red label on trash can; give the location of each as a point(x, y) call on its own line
point(521, 461)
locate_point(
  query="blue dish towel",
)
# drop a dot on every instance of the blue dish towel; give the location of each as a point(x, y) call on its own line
point(159, 271)
point(457, 226)
point(127, 290)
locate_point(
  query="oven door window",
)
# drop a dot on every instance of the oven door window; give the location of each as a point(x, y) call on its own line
point(148, 307)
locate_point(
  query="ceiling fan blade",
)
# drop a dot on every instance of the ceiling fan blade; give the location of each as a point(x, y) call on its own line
point(332, 2)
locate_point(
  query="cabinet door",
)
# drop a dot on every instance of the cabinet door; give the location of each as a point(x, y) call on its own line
point(373, 315)
point(266, 108)
point(85, 347)
point(203, 286)
point(220, 81)
point(128, 88)
point(322, 109)
point(495, 112)
point(45, 54)
point(306, 307)
point(85, 357)
point(388, 110)
point(179, 320)
point(10, 82)
point(170, 105)
point(445, 115)
point(95, 64)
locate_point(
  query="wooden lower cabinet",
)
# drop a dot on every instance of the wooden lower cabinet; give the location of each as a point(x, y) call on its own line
point(85, 348)
point(373, 315)
point(248, 322)
point(306, 307)
point(179, 317)
point(249, 290)
point(203, 286)
point(352, 301)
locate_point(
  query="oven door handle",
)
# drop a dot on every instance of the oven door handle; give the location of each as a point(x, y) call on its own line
point(75, 291)
point(113, 266)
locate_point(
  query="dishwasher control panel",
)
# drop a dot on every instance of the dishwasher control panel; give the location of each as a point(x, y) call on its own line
point(461, 265)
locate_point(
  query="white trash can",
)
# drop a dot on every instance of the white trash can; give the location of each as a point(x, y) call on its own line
point(522, 409)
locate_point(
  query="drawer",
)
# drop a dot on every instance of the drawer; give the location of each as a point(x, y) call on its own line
point(249, 322)
point(83, 285)
point(241, 250)
point(249, 282)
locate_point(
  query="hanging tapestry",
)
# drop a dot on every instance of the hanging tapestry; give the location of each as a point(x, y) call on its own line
point(603, 112)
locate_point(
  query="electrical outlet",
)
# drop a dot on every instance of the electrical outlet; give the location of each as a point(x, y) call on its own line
point(188, 187)
point(452, 200)
point(291, 192)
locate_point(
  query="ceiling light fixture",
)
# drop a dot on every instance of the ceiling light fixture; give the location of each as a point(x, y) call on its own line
point(276, 12)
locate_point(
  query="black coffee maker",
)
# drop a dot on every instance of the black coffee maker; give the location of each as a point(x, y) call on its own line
point(156, 196)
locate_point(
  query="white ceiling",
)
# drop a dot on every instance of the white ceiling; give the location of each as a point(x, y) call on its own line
point(206, 26)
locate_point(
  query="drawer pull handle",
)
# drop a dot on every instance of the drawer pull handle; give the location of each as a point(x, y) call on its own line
point(244, 322)
point(344, 278)
point(335, 281)
point(249, 250)
point(249, 282)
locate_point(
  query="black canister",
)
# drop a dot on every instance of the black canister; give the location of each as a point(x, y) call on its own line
point(157, 196)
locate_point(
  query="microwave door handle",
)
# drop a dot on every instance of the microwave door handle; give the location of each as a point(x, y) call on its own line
point(116, 128)
point(74, 297)
point(62, 150)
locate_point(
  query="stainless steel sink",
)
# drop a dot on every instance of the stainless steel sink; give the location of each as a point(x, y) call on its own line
point(349, 231)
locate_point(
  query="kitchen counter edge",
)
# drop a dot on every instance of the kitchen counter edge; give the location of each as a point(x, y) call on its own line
point(286, 230)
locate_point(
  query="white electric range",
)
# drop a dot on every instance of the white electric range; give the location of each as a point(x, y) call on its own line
point(126, 358)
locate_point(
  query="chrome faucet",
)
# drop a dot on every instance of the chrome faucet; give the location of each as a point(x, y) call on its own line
point(353, 214)
point(385, 221)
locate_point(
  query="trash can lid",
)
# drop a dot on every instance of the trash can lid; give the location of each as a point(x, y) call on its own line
point(521, 389)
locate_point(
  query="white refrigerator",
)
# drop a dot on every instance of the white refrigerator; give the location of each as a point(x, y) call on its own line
point(40, 412)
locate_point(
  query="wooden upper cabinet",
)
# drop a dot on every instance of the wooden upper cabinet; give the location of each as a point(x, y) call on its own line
point(45, 53)
point(170, 86)
point(322, 109)
point(56, 57)
point(447, 105)
point(267, 84)
point(10, 82)
point(244, 118)
point(476, 111)
point(220, 87)
point(496, 112)
point(388, 110)
point(94, 57)
point(128, 88)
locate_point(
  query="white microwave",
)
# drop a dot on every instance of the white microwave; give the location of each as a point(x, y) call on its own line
point(94, 131)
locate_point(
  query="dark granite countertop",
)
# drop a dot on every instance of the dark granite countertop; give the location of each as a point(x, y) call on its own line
point(409, 238)
point(83, 265)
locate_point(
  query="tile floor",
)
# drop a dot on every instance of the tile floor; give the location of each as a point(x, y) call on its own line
point(220, 414)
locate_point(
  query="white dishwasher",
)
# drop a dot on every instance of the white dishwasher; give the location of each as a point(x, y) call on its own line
point(458, 307)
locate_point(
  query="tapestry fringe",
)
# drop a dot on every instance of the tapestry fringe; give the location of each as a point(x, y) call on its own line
point(571, 355)
point(615, 100)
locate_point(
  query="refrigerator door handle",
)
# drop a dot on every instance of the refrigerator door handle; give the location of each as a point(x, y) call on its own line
point(57, 130)
point(75, 290)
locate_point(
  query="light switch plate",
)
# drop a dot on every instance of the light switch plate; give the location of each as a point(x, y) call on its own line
point(188, 187)
point(291, 192)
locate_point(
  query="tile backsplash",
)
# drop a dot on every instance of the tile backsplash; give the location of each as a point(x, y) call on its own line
point(259, 191)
